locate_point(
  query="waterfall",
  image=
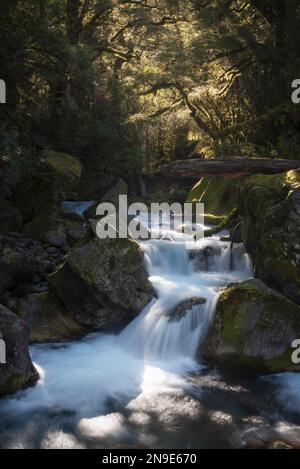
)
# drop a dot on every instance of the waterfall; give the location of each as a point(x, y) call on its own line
point(155, 352)
point(182, 270)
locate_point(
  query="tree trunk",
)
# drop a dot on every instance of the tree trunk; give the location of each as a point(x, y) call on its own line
point(229, 167)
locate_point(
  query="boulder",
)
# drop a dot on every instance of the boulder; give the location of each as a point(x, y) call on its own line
point(25, 264)
point(56, 227)
point(11, 219)
point(270, 210)
point(254, 327)
point(18, 371)
point(103, 283)
point(47, 319)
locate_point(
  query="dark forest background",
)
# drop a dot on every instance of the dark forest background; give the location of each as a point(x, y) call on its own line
point(126, 85)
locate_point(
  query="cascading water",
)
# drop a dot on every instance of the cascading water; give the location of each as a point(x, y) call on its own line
point(152, 356)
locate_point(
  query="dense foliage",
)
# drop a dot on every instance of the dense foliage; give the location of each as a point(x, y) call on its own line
point(126, 84)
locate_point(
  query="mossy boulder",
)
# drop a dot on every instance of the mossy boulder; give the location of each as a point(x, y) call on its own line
point(47, 319)
point(103, 283)
point(11, 219)
point(65, 168)
point(56, 176)
point(254, 327)
point(270, 210)
point(56, 227)
point(18, 371)
point(219, 194)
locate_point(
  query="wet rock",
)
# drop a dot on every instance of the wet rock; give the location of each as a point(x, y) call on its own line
point(18, 371)
point(279, 445)
point(203, 259)
point(254, 327)
point(180, 310)
point(103, 283)
point(47, 319)
point(221, 418)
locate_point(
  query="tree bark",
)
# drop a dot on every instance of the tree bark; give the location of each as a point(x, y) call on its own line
point(230, 167)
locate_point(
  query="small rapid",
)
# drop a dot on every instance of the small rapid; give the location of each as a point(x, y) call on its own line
point(102, 390)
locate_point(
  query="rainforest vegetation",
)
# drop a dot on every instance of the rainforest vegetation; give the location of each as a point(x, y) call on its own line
point(125, 85)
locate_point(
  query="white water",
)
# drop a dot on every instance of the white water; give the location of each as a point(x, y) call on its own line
point(152, 356)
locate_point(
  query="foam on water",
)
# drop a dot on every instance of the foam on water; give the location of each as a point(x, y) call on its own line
point(288, 391)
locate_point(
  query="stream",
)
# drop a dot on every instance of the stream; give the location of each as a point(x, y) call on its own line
point(146, 387)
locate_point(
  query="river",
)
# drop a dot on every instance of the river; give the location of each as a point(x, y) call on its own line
point(147, 387)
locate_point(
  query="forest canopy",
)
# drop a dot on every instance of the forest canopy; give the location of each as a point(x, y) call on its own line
point(128, 84)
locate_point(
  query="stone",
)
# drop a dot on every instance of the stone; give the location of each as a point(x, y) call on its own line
point(47, 319)
point(18, 371)
point(52, 226)
point(270, 210)
point(254, 328)
point(180, 310)
point(103, 283)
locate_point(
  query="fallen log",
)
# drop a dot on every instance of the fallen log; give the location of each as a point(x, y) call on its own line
point(229, 167)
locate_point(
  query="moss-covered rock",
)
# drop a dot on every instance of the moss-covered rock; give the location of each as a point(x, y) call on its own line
point(18, 371)
point(103, 283)
point(254, 327)
point(65, 168)
point(47, 319)
point(270, 210)
point(54, 226)
point(219, 194)
point(11, 219)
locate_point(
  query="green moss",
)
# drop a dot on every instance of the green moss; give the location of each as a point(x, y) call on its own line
point(17, 382)
point(217, 193)
point(255, 326)
point(65, 166)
